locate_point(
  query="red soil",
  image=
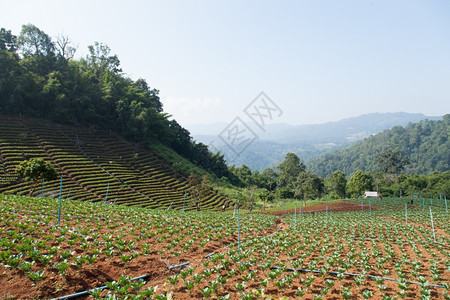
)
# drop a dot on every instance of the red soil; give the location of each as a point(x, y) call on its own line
point(335, 207)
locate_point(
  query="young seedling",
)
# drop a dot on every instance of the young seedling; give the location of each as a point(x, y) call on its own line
point(207, 291)
point(62, 267)
point(137, 284)
point(95, 293)
point(189, 284)
point(240, 286)
point(345, 292)
point(173, 279)
point(26, 266)
point(367, 294)
point(300, 292)
point(36, 276)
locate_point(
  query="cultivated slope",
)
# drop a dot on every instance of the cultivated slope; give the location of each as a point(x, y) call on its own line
point(89, 160)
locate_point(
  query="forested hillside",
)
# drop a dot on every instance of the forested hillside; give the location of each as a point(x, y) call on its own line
point(425, 144)
point(40, 78)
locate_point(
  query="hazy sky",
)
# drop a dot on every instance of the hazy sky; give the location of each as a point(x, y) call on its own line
point(317, 60)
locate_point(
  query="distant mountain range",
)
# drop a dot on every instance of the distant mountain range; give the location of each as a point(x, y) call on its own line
point(307, 141)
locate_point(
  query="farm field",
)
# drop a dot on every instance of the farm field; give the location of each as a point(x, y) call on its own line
point(161, 254)
point(96, 165)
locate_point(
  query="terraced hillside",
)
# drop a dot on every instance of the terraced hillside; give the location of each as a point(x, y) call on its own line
point(90, 160)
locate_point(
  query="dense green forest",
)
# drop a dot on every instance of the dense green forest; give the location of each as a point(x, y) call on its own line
point(40, 78)
point(425, 144)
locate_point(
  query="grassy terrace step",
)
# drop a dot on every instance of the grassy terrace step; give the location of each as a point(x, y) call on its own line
point(136, 176)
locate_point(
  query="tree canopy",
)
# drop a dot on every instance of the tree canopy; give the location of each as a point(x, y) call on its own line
point(36, 169)
point(359, 183)
point(290, 168)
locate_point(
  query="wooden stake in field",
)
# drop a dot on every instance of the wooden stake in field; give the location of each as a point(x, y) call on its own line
point(42, 191)
point(432, 224)
point(445, 199)
point(406, 213)
point(295, 214)
point(106, 197)
point(60, 194)
point(239, 232)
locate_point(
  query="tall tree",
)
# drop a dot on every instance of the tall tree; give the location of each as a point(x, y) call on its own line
point(8, 41)
point(37, 49)
point(35, 170)
point(359, 183)
point(289, 169)
point(64, 48)
point(33, 41)
point(308, 186)
point(270, 177)
point(336, 183)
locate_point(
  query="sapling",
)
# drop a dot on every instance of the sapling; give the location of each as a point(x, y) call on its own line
point(36, 276)
point(62, 267)
point(173, 279)
point(366, 294)
point(264, 282)
point(184, 273)
point(125, 258)
point(197, 277)
point(240, 286)
point(359, 280)
point(403, 285)
point(95, 293)
point(26, 266)
point(189, 284)
point(221, 279)
point(281, 284)
point(300, 292)
point(206, 292)
point(207, 273)
point(329, 283)
point(79, 260)
point(217, 268)
point(214, 285)
point(345, 292)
